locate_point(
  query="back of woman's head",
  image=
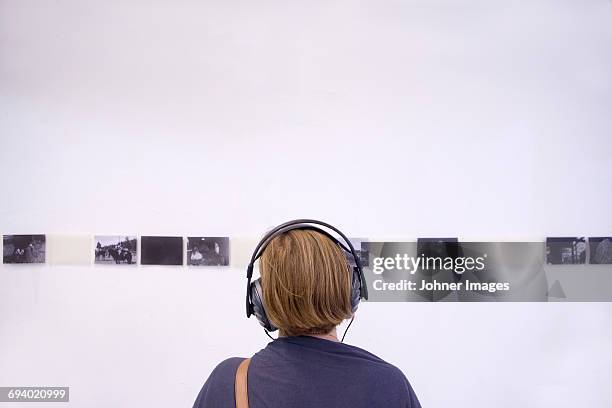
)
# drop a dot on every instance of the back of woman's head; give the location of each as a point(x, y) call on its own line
point(306, 282)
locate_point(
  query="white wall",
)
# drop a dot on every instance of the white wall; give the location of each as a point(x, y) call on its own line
point(478, 119)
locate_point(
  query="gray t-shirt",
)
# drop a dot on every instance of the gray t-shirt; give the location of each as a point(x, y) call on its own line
point(304, 372)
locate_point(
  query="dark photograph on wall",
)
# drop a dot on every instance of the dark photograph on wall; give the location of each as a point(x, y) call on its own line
point(27, 249)
point(208, 251)
point(600, 250)
point(115, 249)
point(566, 250)
point(161, 250)
point(361, 248)
point(439, 248)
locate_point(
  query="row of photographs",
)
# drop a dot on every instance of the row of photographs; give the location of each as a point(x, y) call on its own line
point(214, 251)
point(123, 250)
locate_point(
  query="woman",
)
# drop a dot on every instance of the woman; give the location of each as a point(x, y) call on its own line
point(306, 285)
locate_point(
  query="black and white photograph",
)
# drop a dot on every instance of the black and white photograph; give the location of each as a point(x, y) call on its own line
point(566, 250)
point(23, 249)
point(361, 248)
point(161, 250)
point(115, 249)
point(208, 251)
point(438, 247)
point(600, 250)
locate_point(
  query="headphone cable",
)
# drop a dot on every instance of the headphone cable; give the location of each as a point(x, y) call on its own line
point(268, 334)
point(347, 327)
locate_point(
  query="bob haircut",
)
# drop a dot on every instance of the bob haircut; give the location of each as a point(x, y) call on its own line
point(306, 283)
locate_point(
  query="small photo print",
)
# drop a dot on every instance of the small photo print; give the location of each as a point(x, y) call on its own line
point(241, 250)
point(115, 249)
point(439, 248)
point(600, 250)
point(566, 250)
point(161, 250)
point(361, 249)
point(23, 249)
point(68, 249)
point(208, 251)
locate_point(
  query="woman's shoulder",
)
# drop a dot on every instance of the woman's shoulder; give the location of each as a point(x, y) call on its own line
point(378, 364)
point(218, 390)
point(228, 364)
point(389, 378)
point(225, 371)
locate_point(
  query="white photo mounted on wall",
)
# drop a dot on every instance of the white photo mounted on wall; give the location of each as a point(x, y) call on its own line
point(68, 249)
point(241, 250)
point(115, 249)
point(208, 251)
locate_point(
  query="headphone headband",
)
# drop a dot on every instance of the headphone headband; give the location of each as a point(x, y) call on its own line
point(309, 224)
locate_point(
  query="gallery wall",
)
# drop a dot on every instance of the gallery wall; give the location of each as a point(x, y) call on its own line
point(392, 120)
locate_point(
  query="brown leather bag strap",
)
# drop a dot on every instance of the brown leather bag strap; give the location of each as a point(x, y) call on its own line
point(241, 386)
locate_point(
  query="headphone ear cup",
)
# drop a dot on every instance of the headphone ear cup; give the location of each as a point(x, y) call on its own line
point(355, 290)
point(258, 306)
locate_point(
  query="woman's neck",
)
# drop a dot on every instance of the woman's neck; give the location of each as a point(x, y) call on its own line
point(332, 335)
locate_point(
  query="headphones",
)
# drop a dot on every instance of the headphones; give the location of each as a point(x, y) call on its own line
point(255, 303)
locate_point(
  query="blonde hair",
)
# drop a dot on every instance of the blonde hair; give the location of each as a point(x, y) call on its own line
point(306, 283)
